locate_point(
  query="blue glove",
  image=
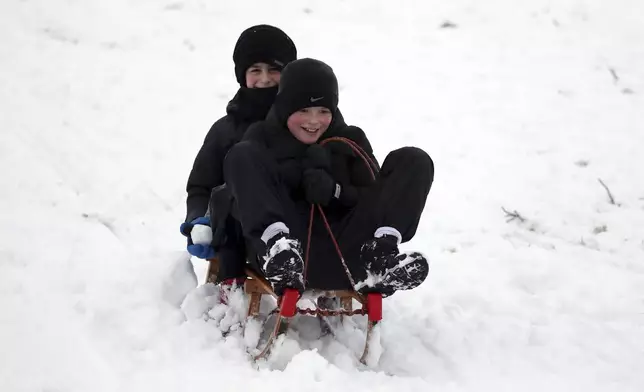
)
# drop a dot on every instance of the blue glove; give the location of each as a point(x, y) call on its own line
point(198, 250)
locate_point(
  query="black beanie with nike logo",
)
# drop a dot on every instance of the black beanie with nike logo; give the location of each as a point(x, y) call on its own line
point(306, 83)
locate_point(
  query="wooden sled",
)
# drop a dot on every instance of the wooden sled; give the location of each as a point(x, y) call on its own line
point(256, 286)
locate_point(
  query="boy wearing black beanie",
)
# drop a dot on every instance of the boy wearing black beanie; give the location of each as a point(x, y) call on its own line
point(262, 44)
point(260, 54)
point(304, 154)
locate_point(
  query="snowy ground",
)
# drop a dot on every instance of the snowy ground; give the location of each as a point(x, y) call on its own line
point(522, 105)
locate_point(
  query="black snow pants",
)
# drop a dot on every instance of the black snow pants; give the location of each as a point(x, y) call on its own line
point(396, 199)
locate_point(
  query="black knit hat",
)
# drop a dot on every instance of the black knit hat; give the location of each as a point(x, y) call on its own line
point(306, 83)
point(262, 44)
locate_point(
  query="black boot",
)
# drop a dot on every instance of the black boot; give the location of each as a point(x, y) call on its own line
point(388, 270)
point(283, 265)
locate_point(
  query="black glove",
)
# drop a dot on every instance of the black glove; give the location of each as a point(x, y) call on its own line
point(317, 157)
point(319, 186)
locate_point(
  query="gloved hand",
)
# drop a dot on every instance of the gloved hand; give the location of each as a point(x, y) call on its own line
point(199, 234)
point(317, 157)
point(319, 186)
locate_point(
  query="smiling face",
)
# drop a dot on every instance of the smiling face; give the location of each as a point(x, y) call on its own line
point(262, 75)
point(309, 124)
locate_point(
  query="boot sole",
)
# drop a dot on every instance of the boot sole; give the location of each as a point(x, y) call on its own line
point(285, 269)
point(412, 270)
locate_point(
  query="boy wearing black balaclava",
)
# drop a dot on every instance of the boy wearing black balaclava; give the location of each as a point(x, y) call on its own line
point(260, 54)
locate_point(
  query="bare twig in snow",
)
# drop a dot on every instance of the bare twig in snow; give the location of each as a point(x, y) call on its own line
point(448, 25)
point(610, 195)
point(600, 229)
point(614, 74)
point(582, 163)
point(510, 216)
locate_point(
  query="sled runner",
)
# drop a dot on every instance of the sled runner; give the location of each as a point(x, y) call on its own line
point(256, 286)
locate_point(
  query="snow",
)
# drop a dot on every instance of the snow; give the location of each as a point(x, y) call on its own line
point(201, 234)
point(522, 105)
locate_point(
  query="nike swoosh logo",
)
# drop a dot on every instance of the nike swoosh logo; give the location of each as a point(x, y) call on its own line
point(316, 99)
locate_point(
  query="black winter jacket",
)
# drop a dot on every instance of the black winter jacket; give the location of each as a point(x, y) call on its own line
point(246, 107)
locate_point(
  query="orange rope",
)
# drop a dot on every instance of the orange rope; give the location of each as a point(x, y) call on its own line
point(308, 243)
point(371, 165)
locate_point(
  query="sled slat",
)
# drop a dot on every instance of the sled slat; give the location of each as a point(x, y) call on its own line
point(213, 270)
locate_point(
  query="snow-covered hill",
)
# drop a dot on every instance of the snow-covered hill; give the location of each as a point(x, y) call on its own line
point(523, 107)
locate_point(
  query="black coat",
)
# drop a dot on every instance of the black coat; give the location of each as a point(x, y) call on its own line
point(248, 106)
point(347, 168)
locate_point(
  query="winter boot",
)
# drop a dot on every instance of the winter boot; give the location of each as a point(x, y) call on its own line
point(283, 265)
point(388, 270)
